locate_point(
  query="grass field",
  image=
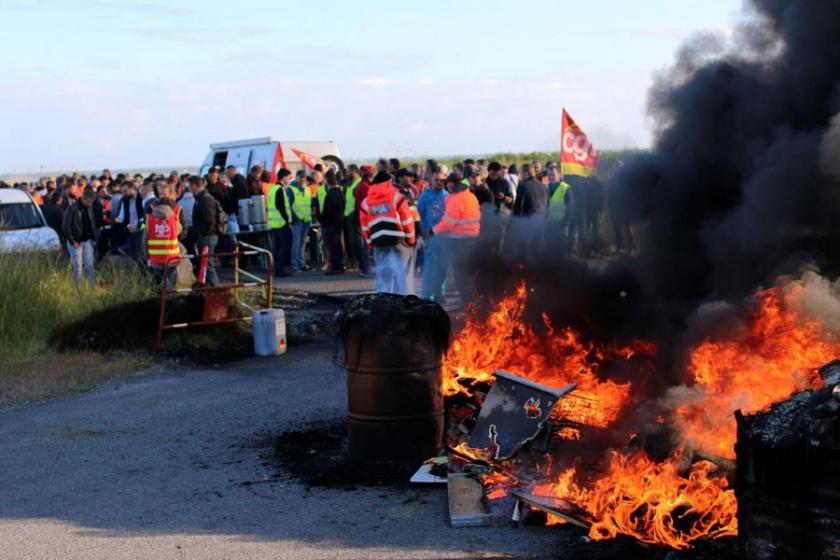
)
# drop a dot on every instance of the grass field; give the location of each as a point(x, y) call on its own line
point(39, 294)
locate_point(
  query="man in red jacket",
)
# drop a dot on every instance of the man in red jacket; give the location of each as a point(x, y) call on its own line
point(388, 225)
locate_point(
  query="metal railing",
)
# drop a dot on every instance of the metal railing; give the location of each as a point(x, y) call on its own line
point(236, 287)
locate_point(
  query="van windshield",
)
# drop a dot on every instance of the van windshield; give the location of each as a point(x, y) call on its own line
point(22, 215)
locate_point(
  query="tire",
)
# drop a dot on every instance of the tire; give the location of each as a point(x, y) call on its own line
point(334, 162)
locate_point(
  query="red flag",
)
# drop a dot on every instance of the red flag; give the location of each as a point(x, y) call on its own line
point(577, 154)
point(310, 160)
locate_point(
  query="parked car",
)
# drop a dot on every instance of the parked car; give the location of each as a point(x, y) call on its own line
point(270, 154)
point(22, 225)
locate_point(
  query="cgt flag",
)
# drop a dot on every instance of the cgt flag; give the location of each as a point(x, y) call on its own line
point(308, 159)
point(577, 154)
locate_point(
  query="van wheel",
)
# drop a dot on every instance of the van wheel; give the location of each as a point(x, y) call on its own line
point(335, 163)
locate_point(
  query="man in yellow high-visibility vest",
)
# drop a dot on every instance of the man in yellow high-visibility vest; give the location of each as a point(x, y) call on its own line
point(300, 202)
point(279, 222)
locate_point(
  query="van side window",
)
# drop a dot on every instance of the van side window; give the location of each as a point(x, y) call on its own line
point(219, 159)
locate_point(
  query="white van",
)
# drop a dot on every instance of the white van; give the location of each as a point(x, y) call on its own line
point(272, 155)
point(22, 225)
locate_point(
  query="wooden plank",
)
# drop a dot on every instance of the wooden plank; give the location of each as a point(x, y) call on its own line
point(563, 509)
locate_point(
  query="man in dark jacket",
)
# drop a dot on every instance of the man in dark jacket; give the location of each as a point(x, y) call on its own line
point(215, 187)
point(239, 188)
point(332, 220)
point(531, 195)
point(130, 220)
point(206, 224)
point(81, 232)
point(54, 214)
point(529, 211)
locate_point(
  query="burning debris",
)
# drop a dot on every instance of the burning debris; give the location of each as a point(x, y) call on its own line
point(642, 469)
point(514, 411)
point(788, 487)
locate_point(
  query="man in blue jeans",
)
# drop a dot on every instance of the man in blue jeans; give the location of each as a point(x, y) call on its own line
point(300, 204)
point(81, 232)
point(431, 206)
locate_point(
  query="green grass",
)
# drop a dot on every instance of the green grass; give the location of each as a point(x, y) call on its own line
point(38, 293)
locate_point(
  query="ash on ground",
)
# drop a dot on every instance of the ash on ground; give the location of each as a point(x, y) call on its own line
point(316, 454)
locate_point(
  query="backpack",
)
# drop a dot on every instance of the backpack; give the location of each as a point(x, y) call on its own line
point(221, 218)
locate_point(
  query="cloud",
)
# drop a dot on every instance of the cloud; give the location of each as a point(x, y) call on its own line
point(373, 82)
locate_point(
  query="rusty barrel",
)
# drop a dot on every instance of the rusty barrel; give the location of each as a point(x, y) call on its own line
point(393, 350)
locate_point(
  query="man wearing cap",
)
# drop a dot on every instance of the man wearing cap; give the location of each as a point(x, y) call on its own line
point(387, 224)
point(405, 184)
point(431, 206)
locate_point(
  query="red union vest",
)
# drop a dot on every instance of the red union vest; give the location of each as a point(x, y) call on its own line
point(162, 243)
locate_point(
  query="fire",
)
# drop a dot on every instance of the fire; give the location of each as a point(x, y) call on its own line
point(653, 502)
point(554, 358)
point(673, 502)
point(777, 357)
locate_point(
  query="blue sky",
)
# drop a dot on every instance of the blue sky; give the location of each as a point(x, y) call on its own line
point(92, 83)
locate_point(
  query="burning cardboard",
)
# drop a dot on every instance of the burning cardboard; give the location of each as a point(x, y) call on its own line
point(513, 413)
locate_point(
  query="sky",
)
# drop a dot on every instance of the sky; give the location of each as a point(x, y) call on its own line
point(95, 83)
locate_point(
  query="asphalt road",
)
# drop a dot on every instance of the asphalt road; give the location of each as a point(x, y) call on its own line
point(154, 468)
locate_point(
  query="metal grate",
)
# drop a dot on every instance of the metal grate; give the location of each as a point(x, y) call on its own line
point(575, 410)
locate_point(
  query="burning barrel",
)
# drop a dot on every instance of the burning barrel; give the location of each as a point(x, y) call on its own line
point(393, 349)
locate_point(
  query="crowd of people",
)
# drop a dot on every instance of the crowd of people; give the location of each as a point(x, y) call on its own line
point(421, 218)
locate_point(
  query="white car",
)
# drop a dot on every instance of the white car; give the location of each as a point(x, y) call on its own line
point(22, 225)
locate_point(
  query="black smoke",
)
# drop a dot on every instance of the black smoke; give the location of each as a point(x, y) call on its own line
point(741, 186)
point(733, 194)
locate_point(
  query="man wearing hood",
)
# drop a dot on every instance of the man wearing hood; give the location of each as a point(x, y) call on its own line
point(388, 225)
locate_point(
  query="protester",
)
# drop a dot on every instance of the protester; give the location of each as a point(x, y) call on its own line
point(81, 233)
point(351, 218)
point(431, 206)
point(459, 227)
point(279, 223)
point(166, 225)
point(332, 222)
point(560, 211)
point(207, 215)
point(387, 224)
point(54, 214)
point(300, 204)
point(359, 240)
point(130, 219)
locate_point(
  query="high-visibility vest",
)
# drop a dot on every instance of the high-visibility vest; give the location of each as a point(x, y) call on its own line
point(275, 218)
point(385, 217)
point(321, 195)
point(350, 197)
point(162, 238)
point(557, 206)
point(302, 204)
point(462, 216)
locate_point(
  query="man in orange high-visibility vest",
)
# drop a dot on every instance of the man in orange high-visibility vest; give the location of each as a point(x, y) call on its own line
point(388, 225)
point(459, 228)
point(164, 227)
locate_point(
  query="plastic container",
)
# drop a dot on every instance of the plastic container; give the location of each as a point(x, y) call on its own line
point(269, 332)
point(244, 213)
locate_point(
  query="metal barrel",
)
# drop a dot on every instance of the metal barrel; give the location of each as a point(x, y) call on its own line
point(394, 392)
point(244, 213)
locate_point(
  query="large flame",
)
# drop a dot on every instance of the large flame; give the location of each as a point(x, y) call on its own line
point(555, 358)
point(653, 502)
point(673, 502)
point(777, 357)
